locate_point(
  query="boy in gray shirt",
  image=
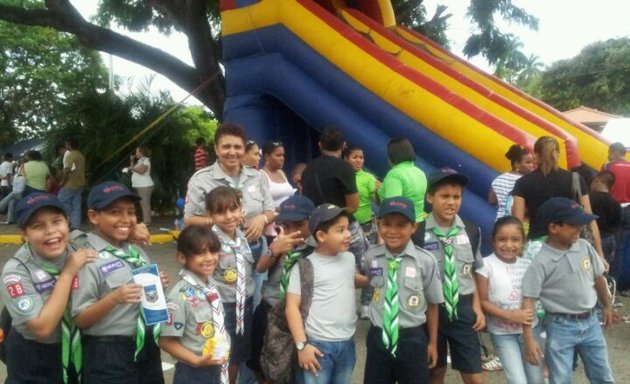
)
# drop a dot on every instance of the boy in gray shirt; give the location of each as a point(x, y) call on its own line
point(567, 277)
point(326, 350)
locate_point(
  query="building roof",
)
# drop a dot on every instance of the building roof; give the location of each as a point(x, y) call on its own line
point(586, 115)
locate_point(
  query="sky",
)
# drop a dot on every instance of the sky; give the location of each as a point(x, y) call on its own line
point(565, 27)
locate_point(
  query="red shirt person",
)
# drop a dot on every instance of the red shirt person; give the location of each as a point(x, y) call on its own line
point(618, 165)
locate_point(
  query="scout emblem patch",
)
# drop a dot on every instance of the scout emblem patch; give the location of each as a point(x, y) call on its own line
point(229, 275)
point(466, 268)
point(414, 301)
point(151, 293)
point(205, 329)
point(376, 295)
point(586, 263)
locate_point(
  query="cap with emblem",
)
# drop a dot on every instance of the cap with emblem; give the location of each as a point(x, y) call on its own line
point(322, 214)
point(446, 174)
point(295, 208)
point(27, 206)
point(103, 194)
point(563, 210)
point(400, 205)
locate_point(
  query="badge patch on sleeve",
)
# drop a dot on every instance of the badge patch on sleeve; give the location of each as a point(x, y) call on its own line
point(24, 305)
point(15, 289)
point(75, 282)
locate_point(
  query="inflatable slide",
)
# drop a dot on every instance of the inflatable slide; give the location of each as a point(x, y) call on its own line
point(296, 66)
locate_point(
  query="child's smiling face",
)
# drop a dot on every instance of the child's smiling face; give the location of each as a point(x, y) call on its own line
point(47, 232)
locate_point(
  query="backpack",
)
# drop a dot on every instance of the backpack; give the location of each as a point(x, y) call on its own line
point(472, 230)
point(5, 327)
point(278, 358)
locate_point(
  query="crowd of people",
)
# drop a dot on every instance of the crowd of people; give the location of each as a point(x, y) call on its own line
point(266, 292)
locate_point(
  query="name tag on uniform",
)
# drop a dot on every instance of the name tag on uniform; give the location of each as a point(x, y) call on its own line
point(431, 246)
point(110, 267)
point(410, 272)
point(376, 271)
point(251, 189)
point(462, 239)
point(44, 286)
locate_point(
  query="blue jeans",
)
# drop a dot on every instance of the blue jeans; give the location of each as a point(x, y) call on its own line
point(510, 349)
point(564, 337)
point(8, 204)
point(71, 200)
point(336, 364)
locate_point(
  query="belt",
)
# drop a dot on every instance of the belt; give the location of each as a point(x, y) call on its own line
point(572, 316)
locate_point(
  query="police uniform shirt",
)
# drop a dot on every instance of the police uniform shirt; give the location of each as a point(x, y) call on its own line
point(271, 286)
point(563, 280)
point(27, 287)
point(252, 185)
point(224, 276)
point(97, 279)
point(418, 284)
point(467, 260)
point(189, 316)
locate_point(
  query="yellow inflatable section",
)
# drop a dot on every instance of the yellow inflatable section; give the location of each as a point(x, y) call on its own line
point(593, 148)
point(438, 108)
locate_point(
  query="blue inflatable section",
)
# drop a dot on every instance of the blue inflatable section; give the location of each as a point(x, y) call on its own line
point(280, 88)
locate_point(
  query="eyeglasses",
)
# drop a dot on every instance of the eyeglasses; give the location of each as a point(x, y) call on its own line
point(250, 142)
point(276, 144)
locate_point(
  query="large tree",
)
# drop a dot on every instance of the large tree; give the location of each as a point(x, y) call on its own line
point(199, 20)
point(41, 71)
point(598, 77)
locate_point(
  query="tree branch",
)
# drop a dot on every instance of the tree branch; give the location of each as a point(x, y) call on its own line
point(62, 16)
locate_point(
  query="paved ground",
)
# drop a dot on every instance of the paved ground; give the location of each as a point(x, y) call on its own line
point(164, 255)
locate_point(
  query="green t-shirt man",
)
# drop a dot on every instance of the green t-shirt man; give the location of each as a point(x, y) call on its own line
point(406, 180)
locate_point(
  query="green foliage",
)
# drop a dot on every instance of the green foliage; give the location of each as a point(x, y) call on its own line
point(488, 40)
point(599, 77)
point(105, 123)
point(42, 71)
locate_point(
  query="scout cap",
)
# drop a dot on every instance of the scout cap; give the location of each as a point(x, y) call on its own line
point(400, 205)
point(295, 208)
point(446, 174)
point(103, 194)
point(27, 206)
point(563, 210)
point(322, 214)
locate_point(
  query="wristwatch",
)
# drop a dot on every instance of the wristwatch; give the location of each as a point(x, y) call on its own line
point(269, 253)
point(300, 345)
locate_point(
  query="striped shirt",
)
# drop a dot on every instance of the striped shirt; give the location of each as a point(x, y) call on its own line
point(201, 158)
point(502, 187)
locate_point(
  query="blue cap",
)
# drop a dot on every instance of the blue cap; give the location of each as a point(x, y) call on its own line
point(443, 174)
point(322, 214)
point(563, 210)
point(103, 194)
point(400, 205)
point(295, 208)
point(27, 206)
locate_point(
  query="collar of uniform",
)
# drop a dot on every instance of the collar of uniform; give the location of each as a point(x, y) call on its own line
point(99, 244)
point(556, 254)
point(430, 222)
point(225, 238)
point(194, 277)
point(309, 242)
point(217, 172)
point(26, 252)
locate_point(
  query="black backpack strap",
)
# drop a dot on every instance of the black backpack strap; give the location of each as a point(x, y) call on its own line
point(474, 235)
point(418, 236)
